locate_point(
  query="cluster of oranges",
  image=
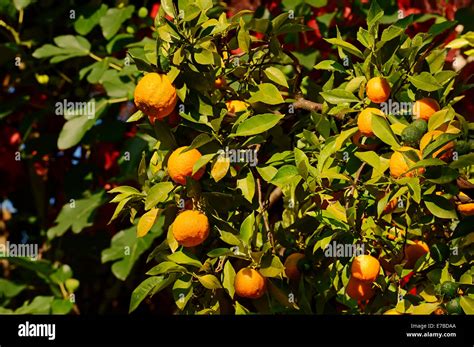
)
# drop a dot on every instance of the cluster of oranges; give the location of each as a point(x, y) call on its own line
point(156, 97)
point(378, 91)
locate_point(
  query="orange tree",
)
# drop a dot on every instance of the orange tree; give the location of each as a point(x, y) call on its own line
point(259, 179)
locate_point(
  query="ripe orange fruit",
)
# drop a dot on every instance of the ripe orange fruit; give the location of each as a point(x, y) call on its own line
point(236, 106)
point(155, 95)
point(291, 266)
point(445, 152)
point(364, 121)
point(424, 108)
point(190, 228)
point(359, 290)
point(180, 165)
point(466, 209)
point(377, 90)
point(399, 164)
point(365, 268)
point(249, 283)
point(414, 251)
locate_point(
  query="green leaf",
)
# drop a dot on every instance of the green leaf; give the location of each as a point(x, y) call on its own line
point(247, 228)
point(228, 278)
point(75, 215)
point(209, 281)
point(439, 206)
point(21, 4)
point(68, 46)
point(268, 94)
point(302, 163)
point(382, 130)
point(467, 304)
point(146, 222)
point(276, 76)
point(87, 21)
point(425, 81)
point(184, 258)
point(136, 116)
point(346, 46)
point(143, 290)
point(126, 248)
point(182, 291)
point(243, 38)
point(10, 289)
point(112, 21)
point(247, 186)
point(285, 175)
point(271, 266)
point(230, 238)
point(330, 65)
point(61, 306)
point(463, 161)
point(395, 30)
point(168, 7)
point(258, 124)
point(39, 305)
point(158, 193)
point(165, 267)
point(338, 96)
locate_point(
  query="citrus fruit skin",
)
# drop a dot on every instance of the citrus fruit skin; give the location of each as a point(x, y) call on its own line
point(365, 268)
point(180, 165)
point(421, 125)
point(454, 306)
point(424, 108)
point(411, 134)
point(377, 90)
point(399, 165)
point(391, 206)
point(236, 106)
point(359, 290)
point(364, 121)
point(291, 266)
point(445, 152)
point(190, 228)
point(155, 95)
point(415, 251)
point(249, 283)
point(466, 209)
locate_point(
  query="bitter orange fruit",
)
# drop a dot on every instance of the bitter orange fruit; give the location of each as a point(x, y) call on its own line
point(155, 95)
point(414, 251)
point(377, 90)
point(359, 290)
point(364, 121)
point(365, 268)
point(180, 165)
point(249, 283)
point(190, 228)
point(445, 152)
point(399, 164)
point(424, 108)
point(291, 266)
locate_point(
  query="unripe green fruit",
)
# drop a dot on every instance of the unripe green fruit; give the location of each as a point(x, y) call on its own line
point(449, 289)
point(411, 134)
point(454, 306)
point(142, 12)
point(421, 125)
